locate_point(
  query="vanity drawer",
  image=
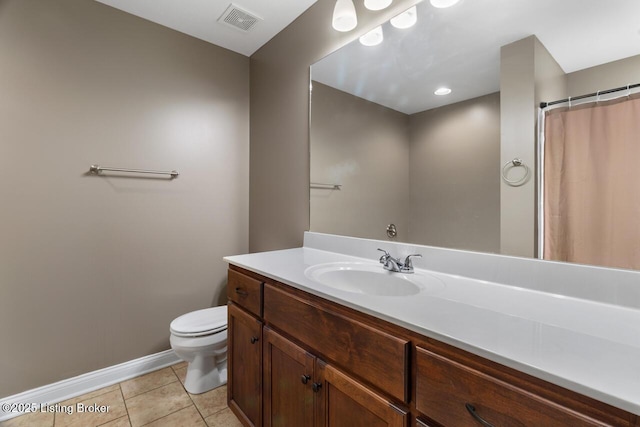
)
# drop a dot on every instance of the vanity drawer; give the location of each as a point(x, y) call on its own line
point(371, 354)
point(448, 392)
point(245, 291)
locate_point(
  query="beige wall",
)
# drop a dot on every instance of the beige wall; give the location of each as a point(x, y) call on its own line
point(528, 74)
point(92, 270)
point(517, 94)
point(602, 77)
point(365, 147)
point(454, 175)
point(434, 174)
point(279, 181)
point(550, 80)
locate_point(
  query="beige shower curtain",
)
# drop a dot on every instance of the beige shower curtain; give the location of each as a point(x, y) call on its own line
point(592, 184)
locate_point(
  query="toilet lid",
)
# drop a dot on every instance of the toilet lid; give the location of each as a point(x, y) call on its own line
point(200, 322)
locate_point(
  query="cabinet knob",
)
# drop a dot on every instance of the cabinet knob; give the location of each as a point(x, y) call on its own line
point(316, 387)
point(305, 379)
point(254, 340)
point(241, 292)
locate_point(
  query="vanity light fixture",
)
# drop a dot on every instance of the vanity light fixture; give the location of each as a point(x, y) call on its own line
point(406, 19)
point(373, 37)
point(377, 4)
point(344, 16)
point(442, 91)
point(443, 3)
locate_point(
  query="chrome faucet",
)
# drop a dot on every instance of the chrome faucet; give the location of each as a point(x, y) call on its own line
point(395, 265)
point(390, 263)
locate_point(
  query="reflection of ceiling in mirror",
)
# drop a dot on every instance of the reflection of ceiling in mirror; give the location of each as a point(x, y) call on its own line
point(459, 47)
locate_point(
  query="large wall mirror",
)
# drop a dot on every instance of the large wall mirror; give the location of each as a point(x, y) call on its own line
point(388, 148)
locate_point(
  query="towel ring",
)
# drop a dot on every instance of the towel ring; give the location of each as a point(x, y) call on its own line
point(514, 164)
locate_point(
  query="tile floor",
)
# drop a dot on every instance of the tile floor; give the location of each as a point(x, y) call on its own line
point(157, 399)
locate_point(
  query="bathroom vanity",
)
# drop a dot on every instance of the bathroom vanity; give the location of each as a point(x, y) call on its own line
point(303, 352)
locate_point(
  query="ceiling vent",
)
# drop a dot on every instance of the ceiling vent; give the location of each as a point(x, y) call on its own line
point(238, 18)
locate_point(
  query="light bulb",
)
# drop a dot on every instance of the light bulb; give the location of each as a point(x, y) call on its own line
point(406, 19)
point(373, 37)
point(377, 4)
point(344, 16)
point(443, 3)
point(442, 91)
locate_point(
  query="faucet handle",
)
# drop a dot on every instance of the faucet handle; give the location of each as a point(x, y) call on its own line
point(384, 257)
point(408, 265)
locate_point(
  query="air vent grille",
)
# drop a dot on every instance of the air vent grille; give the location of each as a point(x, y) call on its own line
point(238, 18)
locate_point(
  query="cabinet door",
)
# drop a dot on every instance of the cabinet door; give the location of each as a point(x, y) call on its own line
point(456, 395)
point(343, 402)
point(244, 358)
point(367, 352)
point(288, 382)
point(245, 291)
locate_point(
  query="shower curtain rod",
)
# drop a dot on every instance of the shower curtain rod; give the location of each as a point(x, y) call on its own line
point(589, 95)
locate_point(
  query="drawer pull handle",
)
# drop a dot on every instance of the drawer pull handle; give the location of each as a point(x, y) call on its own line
point(474, 414)
point(316, 387)
point(305, 379)
point(254, 340)
point(242, 292)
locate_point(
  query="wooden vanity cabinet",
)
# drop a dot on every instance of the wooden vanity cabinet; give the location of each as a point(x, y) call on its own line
point(456, 395)
point(457, 388)
point(326, 365)
point(244, 348)
point(288, 382)
point(344, 402)
point(371, 354)
point(245, 291)
point(302, 390)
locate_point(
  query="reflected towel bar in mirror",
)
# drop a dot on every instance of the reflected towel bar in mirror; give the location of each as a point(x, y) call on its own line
point(321, 186)
point(96, 169)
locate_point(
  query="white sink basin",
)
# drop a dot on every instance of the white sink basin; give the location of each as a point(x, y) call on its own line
point(372, 279)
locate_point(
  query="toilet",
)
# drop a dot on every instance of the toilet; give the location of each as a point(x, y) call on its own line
point(200, 338)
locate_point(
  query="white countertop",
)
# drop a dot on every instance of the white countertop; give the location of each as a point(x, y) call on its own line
point(590, 347)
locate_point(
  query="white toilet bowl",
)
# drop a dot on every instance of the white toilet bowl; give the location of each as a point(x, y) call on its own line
point(200, 338)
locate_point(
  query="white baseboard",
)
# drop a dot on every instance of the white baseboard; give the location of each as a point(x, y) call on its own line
point(85, 383)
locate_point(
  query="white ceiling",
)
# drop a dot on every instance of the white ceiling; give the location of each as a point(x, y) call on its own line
point(199, 18)
point(459, 47)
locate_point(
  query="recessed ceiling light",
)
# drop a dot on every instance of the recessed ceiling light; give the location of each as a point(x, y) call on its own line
point(373, 37)
point(443, 3)
point(442, 91)
point(406, 19)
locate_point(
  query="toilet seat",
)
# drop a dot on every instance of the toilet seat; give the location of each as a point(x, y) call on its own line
point(200, 323)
